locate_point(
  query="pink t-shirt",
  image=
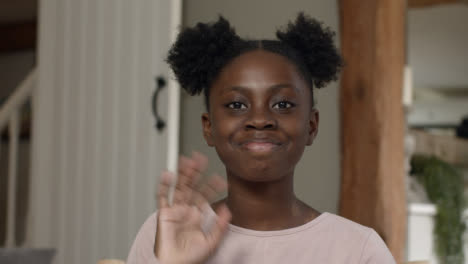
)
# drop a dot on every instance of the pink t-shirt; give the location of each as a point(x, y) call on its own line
point(328, 239)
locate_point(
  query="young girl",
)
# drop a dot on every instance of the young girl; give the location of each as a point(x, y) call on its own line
point(260, 117)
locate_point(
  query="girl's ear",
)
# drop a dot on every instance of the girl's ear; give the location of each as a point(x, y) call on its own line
point(206, 124)
point(313, 126)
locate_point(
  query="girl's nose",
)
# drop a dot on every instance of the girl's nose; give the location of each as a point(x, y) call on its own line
point(260, 119)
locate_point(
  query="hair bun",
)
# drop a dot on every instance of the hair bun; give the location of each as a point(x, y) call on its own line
point(314, 43)
point(197, 53)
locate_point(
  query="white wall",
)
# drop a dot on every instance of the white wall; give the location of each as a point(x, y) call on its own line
point(317, 175)
point(438, 46)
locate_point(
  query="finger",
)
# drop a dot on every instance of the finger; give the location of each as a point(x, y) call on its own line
point(199, 201)
point(186, 170)
point(186, 176)
point(163, 189)
point(201, 161)
point(213, 187)
point(192, 168)
point(217, 183)
point(190, 171)
point(179, 191)
point(216, 233)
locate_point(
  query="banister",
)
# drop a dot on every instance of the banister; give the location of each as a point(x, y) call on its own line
point(18, 98)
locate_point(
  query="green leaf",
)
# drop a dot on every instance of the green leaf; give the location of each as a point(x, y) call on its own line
point(444, 187)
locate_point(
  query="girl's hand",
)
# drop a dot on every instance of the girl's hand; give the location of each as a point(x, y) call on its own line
point(180, 237)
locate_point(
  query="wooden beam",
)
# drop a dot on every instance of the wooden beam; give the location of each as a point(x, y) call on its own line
point(428, 3)
point(18, 36)
point(372, 124)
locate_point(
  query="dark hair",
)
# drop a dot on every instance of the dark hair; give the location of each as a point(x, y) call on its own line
point(200, 52)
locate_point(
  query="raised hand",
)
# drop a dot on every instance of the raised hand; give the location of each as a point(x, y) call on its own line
point(181, 236)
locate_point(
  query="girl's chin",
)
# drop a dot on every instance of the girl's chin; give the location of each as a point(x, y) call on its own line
point(261, 179)
point(258, 175)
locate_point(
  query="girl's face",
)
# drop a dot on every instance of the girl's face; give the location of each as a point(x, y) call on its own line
point(261, 116)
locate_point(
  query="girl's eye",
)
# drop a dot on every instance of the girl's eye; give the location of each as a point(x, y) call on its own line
point(283, 105)
point(236, 105)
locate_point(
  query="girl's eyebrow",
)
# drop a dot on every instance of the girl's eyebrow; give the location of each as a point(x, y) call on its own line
point(273, 88)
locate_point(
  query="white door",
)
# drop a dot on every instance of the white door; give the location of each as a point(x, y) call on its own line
point(96, 152)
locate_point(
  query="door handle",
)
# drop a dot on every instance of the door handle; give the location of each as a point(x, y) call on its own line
point(160, 84)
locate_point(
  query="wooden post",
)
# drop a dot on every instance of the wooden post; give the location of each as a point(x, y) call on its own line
point(372, 124)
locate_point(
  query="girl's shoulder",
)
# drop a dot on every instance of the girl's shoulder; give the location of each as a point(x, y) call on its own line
point(336, 229)
point(345, 225)
point(142, 247)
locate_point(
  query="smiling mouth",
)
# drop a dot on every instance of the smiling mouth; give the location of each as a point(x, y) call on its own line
point(255, 146)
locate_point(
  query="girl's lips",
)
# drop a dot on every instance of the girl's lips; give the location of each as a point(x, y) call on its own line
point(260, 146)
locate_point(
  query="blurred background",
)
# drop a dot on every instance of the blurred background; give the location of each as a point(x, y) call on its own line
point(81, 149)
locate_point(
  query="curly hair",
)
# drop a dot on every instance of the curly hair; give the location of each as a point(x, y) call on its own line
point(200, 52)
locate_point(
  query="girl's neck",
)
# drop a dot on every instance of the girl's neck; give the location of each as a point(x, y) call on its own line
point(266, 205)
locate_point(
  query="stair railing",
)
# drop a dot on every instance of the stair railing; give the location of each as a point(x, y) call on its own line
point(10, 113)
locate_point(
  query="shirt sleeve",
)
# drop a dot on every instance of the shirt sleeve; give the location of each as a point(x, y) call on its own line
point(375, 251)
point(142, 250)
